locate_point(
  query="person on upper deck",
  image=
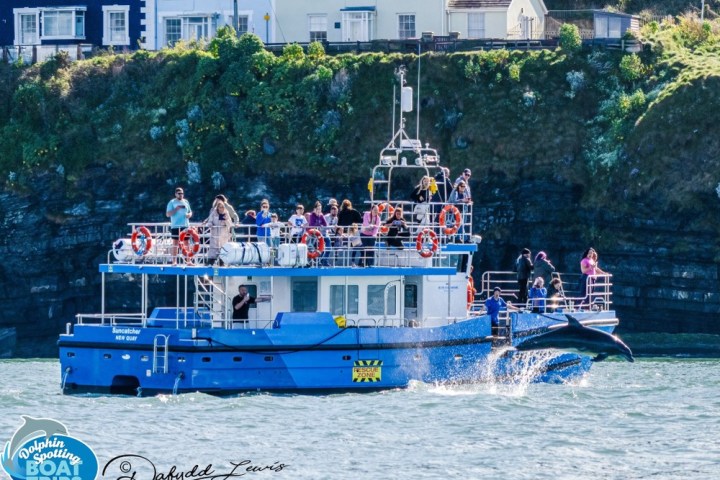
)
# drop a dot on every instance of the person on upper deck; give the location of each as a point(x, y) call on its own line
point(228, 208)
point(263, 220)
point(444, 186)
point(422, 196)
point(220, 225)
point(331, 219)
point(354, 242)
point(332, 203)
point(348, 215)
point(523, 267)
point(368, 235)
point(297, 222)
point(248, 232)
point(466, 178)
point(494, 305)
point(462, 201)
point(275, 230)
point(398, 230)
point(542, 267)
point(179, 212)
point(537, 295)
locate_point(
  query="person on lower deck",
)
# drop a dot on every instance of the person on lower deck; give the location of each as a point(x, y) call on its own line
point(537, 295)
point(241, 304)
point(179, 212)
point(523, 267)
point(494, 306)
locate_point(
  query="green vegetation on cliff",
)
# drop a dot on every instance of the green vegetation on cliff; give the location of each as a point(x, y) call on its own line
point(231, 116)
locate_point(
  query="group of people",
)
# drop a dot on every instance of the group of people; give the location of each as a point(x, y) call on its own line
point(545, 287)
point(341, 226)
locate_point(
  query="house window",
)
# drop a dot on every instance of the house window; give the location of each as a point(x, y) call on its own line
point(243, 23)
point(357, 26)
point(406, 26)
point(173, 31)
point(317, 26)
point(376, 300)
point(63, 23)
point(476, 25)
point(27, 28)
point(115, 25)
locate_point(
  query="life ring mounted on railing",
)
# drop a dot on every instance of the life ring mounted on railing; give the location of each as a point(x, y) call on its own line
point(314, 232)
point(458, 219)
point(384, 229)
point(188, 236)
point(141, 241)
point(420, 244)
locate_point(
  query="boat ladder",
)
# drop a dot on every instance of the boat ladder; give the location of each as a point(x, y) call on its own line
point(503, 332)
point(160, 354)
point(210, 296)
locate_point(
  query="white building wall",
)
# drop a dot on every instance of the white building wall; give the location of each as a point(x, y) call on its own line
point(157, 11)
point(292, 24)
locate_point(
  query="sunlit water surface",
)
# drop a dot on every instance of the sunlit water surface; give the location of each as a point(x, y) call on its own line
point(657, 418)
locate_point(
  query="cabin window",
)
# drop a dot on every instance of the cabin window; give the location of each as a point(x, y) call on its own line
point(411, 296)
point(376, 300)
point(406, 26)
point(344, 299)
point(304, 295)
point(476, 25)
point(317, 25)
point(115, 25)
point(614, 27)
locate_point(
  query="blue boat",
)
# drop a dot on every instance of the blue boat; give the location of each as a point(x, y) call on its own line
point(329, 315)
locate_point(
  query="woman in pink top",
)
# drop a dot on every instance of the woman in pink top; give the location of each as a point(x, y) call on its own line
point(589, 268)
point(368, 235)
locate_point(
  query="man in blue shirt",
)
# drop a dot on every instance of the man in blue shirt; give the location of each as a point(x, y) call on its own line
point(179, 212)
point(494, 305)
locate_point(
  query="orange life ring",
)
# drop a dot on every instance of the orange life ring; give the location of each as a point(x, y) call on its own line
point(458, 221)
point(187, 250)
point(384, 229)
point(419, 243)
point(141, 241)
point(320, 242)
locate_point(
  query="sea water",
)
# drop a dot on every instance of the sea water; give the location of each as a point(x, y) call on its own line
point(654, 419)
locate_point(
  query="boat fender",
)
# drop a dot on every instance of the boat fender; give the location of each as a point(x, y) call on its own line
point(341, 321)
point(458, 222)
point(470, 292)
point(320, 242)
point(141, 241)
point(420, 243)
point(188, 250)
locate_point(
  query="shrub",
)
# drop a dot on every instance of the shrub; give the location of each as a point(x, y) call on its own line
point(631, 68)
point(570, 40)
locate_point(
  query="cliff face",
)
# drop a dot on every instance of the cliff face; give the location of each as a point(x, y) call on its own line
point(567, 151)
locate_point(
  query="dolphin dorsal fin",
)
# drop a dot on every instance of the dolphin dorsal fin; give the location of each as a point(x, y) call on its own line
point(573, 322)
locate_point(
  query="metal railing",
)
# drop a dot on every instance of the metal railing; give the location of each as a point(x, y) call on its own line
point(337, 249)
point(113, 319)
point(598, 293)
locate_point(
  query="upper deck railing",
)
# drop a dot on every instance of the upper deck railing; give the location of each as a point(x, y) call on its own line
point(423, 242)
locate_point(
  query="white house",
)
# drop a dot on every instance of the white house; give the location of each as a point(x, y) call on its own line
point(360, 20)
point(169, 21)
point(501, 19)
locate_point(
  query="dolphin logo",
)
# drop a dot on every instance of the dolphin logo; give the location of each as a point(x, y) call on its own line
point(577, 337)
point(29, 430)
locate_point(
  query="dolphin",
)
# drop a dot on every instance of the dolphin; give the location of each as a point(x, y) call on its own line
point(30, 429)
point(577, 337)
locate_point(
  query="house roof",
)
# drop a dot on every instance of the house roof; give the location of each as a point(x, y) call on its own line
point(478, 3)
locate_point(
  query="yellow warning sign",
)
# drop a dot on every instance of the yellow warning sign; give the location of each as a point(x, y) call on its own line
point(367, 371)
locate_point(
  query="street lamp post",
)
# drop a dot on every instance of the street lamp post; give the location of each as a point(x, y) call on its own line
point(236, 20)
point(267, 27)
point(702, 11)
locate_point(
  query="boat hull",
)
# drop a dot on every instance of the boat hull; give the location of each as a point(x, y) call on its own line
point(303, 353)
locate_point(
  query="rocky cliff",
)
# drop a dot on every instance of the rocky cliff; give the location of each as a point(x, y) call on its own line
point(567, 150)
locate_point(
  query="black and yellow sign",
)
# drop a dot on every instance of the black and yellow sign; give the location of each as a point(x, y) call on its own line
point(367, 371)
